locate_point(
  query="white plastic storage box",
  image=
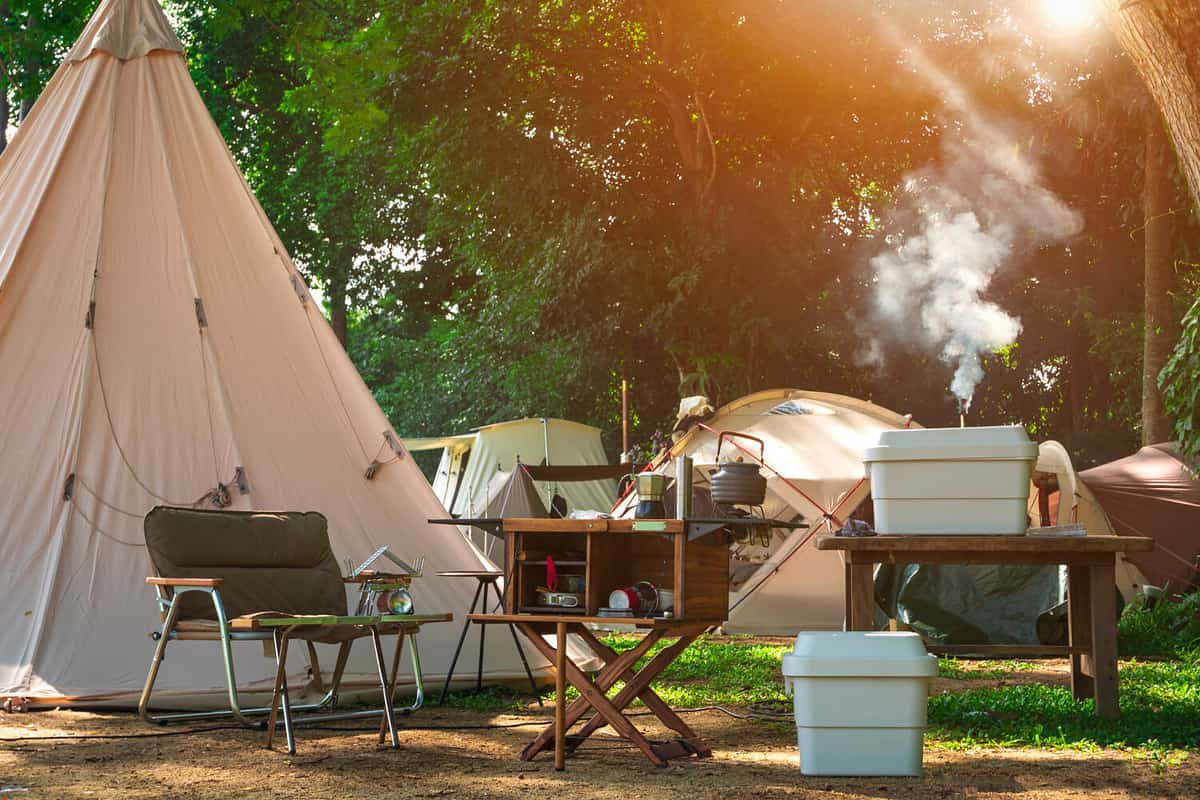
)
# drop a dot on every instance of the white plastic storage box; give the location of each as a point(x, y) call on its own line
point(951, 480)
point(859, 701)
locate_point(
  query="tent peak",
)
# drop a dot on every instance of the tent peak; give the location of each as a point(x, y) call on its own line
point(126, 29)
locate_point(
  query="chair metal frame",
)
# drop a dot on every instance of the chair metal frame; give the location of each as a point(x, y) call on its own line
point(168, 598)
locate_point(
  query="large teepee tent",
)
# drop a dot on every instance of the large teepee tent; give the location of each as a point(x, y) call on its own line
point(158, 346)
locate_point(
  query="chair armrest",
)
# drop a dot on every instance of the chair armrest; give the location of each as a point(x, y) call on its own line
point(210, 583)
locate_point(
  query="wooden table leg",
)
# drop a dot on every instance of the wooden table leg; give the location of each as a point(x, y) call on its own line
point(560, 696)
point(861, 613)
point(595, 697)
point(615, 667)
point(1079, 628)
point(637, 685)
point(640, 681)
point(1104, 640)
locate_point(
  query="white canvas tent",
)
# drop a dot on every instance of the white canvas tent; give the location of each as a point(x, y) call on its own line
point(815, 444)
point(475, 465)
point(156, 344)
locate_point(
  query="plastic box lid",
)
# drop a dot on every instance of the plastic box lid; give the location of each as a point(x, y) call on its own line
point(954, 444)
point(865, 654)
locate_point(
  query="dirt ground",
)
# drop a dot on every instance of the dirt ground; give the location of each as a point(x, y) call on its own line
point(750, 759)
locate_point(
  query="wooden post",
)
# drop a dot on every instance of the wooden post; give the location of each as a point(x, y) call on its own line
point(560, 696)
point(1079, 627)
point(624, 421)
point(1104, 640)
point(862, 588)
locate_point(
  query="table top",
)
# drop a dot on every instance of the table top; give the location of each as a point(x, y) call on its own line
point(639, 622)
point(472, 573)
point(976, 543)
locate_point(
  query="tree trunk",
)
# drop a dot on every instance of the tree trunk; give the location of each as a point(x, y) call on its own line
point(1162, 38)
point(336, 294)
point(5, 114)
point(1160, 323)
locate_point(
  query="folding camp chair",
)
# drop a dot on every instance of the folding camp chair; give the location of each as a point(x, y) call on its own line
point(268, 577)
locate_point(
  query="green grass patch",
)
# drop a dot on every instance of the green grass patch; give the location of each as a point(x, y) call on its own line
point(1160, 700)
point(1160, 705)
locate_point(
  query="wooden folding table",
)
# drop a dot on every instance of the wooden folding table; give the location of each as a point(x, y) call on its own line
point(1091, 589)
point(593, 692)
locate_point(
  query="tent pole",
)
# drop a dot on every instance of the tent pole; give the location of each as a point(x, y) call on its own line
point(624, 421)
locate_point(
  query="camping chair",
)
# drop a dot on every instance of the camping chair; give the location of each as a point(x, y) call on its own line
point(268, 577)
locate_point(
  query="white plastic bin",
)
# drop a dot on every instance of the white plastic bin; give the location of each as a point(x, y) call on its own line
point(859, 701)
point(951, 480)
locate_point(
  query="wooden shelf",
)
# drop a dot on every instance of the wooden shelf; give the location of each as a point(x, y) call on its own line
point(618, 554)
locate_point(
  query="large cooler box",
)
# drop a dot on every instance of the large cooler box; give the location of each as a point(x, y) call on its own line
point(859, 701)
point(951, 480)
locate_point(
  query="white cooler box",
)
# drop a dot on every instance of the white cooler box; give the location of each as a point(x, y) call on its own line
point(951, 480)
point(859, 701)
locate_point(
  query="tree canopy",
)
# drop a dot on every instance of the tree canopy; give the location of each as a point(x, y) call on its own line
point(510, 207)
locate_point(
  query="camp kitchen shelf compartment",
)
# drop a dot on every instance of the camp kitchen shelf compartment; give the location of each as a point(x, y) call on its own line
point(617, 554)
point(951, 480)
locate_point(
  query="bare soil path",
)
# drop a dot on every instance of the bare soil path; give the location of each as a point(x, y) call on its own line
point(751, 759)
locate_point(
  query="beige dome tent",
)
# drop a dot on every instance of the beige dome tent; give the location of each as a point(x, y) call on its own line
point(475, 466)
point(158, 346)
point(813, 460)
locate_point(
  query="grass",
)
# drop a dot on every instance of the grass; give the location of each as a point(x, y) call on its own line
point(1160, 700)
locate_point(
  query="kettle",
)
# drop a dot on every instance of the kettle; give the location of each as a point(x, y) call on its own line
point(651, 486)
point(737, 482)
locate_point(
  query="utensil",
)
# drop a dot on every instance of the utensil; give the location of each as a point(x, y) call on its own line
point(738, 482)
point(642, 597)
point(651, 486)
point(560, 599)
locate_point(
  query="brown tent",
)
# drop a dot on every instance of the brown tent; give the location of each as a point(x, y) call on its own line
point(1153, 493)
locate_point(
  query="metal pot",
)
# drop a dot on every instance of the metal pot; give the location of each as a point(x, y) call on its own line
point(560, 599)
point(738, 482)
point(572, 584)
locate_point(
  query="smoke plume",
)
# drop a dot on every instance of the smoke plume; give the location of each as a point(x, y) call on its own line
point(961, 220)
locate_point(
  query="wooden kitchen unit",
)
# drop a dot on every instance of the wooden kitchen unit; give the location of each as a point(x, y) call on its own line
point(616, 553)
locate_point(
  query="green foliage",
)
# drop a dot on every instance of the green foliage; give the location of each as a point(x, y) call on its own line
point(1180, 382)
point(34, 37)
point(509, 207)
point(1168, 629)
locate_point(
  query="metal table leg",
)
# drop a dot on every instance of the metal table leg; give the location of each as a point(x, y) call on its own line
point(457, 650)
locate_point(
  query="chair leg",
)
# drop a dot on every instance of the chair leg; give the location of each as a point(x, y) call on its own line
point(281, 689)
point(458, 650)
point(159, 652)
point(383, 684)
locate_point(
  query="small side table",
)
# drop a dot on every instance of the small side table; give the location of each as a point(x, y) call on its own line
point(487, 580)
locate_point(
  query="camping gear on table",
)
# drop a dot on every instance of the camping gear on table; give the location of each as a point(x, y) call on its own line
point(158, 346)
point(951, 480)
point(736, 482)
point(815, 443)
point(859, 701)
point(683, 487)
point(267, 577)
point(650, 487)
point(641, 598)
